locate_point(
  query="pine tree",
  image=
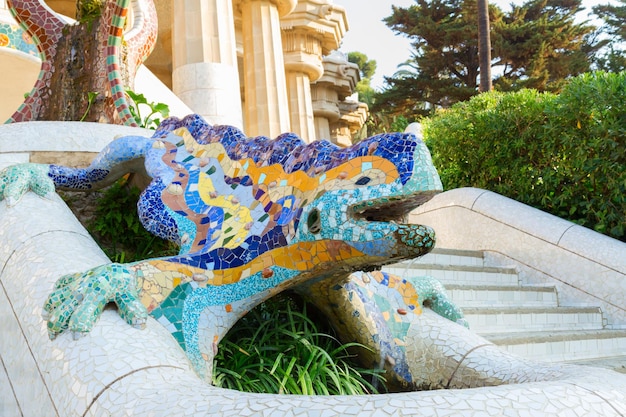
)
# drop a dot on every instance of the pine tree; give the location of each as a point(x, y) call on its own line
point(614, 16)
point(444, 68)
point(536, 45)
point(539, 45)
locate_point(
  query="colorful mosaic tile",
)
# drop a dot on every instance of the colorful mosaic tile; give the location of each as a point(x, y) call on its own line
point(12, 36)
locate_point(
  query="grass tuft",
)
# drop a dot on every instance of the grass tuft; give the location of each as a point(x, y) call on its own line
point(277, 348)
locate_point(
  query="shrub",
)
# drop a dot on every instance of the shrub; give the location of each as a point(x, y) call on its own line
point(278, 348)
point(564, 154)
point(117, 229)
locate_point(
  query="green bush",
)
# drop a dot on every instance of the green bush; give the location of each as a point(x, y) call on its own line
point(118, 231)
point(564, 154)
point(280, 348)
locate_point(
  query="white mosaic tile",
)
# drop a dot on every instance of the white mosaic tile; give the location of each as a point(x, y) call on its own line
point(62, 136)
point(8, 403)
point(7, 159)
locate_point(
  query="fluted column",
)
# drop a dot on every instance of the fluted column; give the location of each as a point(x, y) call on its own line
point(205, 74)
point(300, 105)
point(353, 115)
point(267, 108)
point(337, 83)
point(312, 30)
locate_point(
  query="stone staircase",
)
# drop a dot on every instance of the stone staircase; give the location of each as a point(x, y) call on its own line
point(526, 320)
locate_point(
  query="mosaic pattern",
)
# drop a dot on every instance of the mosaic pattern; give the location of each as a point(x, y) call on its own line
point(46, 28)
point(140, 43)
point(253, 217)
point(12, 36)
point(379, 310)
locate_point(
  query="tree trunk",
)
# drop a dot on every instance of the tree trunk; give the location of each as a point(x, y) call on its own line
point(484, 46)
point(79, 80)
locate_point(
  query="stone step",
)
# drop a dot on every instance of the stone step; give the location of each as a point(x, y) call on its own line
point(468, 275)
point(525, 319)
point(604, 348)
point(451, 257)
point(502, 296)
point(615, 363)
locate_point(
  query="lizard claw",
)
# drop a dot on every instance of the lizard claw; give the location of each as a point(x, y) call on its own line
point(78, 300)
point(16, 180)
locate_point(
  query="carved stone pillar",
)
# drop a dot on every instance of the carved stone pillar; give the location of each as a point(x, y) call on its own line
point(353, 115)
point(338, 82)
point(267, 109)
point(312, 30)
point(205, 74)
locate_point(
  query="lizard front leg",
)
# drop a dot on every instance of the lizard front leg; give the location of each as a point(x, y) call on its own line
point(78, 300)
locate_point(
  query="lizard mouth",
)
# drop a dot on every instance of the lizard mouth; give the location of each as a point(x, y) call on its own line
point(413, 239)
point(389, 209)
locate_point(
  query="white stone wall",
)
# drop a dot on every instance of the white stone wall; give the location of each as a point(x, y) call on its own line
point(585, 266)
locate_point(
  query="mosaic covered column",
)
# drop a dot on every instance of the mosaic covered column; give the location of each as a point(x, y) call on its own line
point(205, 74)
point(312, 30)
point(267, 109)
point(338, 82)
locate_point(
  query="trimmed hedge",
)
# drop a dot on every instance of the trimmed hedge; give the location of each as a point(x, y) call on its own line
point(564, 154)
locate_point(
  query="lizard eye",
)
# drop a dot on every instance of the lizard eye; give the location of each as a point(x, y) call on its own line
point(314, 222)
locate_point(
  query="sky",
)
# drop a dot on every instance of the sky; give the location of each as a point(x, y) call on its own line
point(368, 34)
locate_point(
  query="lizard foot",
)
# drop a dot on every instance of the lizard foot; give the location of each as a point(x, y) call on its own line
point(16, 180)
point(434, 295)
point(78, 300)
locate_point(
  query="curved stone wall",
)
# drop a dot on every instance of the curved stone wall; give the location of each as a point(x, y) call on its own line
point(20, 64)
point(585, 266)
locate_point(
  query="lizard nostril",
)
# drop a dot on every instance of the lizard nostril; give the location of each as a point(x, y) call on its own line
point(314, 222)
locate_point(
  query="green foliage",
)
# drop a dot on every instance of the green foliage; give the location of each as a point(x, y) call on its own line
point(277, 348)
point(537, 44)
point(91, 98)
point(614, 17)
point(588, 122)
point(613, 59)
point(541, 44)
point(367, 68)
point(89, 10)
point(118, 230)
point(384, 123)
point(148, 122)
point(564, 154)
point(444, 66)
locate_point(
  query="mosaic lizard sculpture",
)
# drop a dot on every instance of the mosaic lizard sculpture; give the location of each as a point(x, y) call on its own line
point(254, 217)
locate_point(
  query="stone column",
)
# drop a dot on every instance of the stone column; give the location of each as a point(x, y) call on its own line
point(205, 74)
point(313, 29)
point(338, 82)
point(267, 109)
point(352, 116)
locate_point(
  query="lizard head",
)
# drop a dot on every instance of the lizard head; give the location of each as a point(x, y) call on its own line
point(368, 198)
